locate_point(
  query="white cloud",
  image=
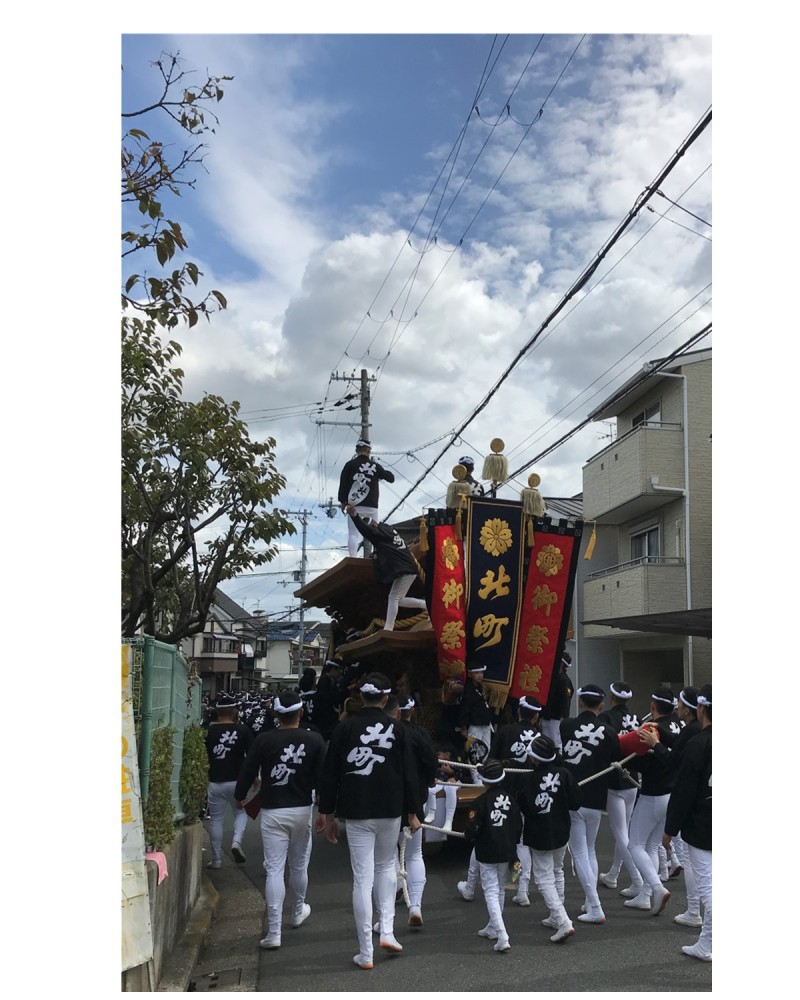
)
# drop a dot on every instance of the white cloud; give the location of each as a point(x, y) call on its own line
point(444, 325)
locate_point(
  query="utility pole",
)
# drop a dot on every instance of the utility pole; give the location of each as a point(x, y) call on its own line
point(364, 398)
point(365, 424)
point(301, 637)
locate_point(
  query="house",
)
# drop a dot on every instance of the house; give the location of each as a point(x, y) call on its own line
point(231, 651)
point(239, 650)
point(644, 598)
point(284, 664)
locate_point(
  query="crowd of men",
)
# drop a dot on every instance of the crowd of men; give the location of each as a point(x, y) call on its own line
point(345, 750)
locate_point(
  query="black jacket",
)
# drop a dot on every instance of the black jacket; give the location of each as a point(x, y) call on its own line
point(589, 746)
point(361, 476)
point(392, 557)
point(494, 825)
point(549, 795)
point(621, 720)
point(370, 771)
point(290, 762)
point(689, 808)
point(425, 758)
point(559, 697)
point(474, 710)
point(655, 767)
point(227, 744)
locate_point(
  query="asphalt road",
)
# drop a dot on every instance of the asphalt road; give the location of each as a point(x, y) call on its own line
point(632, 951)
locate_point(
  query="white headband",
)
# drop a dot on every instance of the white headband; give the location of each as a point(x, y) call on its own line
point(702, 700)
point(621, 694)
point(590, 694)
point(491, 781)
point(524, 703)
point(285, 709)
point(476, 670)
point(688, 704)
point(536, 756)
point(664, 701)
point(408, 705)
point(370, 688)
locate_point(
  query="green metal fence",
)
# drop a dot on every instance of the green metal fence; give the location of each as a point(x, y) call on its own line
point(165, 694)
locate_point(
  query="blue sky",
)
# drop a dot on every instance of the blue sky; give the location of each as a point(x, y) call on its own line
point(339, 158)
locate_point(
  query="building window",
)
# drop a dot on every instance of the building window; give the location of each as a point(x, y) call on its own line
point(645, 545)
point(650, 416)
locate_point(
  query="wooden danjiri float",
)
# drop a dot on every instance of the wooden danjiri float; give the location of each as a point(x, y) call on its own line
point(497, 576)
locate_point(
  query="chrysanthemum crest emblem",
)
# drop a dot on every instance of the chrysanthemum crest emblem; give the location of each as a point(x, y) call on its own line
point(496, 536)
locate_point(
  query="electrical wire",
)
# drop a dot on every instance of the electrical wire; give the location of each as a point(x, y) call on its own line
point(583, 278)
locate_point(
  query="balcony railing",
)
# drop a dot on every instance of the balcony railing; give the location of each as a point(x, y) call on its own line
point(643, 561)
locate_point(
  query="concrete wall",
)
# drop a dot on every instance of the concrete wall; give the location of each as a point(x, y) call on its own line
point(171, 903)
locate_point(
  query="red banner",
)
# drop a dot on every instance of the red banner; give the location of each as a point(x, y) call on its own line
point(544, 613)
point(447, 597)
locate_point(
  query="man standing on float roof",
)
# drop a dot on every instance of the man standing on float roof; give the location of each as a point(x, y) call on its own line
point(469, 464)
point(359, 487)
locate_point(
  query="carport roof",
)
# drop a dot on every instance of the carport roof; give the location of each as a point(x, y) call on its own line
point(694, 621)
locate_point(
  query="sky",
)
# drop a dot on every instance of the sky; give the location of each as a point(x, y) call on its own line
point(416, 206)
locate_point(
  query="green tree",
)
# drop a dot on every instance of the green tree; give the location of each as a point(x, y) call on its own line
point(197, 490)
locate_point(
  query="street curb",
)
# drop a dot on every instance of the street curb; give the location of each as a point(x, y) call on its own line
point(179, 967)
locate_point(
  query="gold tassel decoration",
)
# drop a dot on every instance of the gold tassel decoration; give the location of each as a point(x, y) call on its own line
point(423, 534)
point(495, 466)
point(459, 531)
point(458, 488)
point(532, 504)
point(496, 693)
point(592, 541)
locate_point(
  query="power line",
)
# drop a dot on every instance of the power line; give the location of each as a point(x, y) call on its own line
point(657, 367)
point(580, 282)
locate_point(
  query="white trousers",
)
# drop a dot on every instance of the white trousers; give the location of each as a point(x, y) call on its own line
point(416, 874)
point(473, 872)
point(493, 883)
point(689, 878)
point(701, 866)
point(548, 874)
point(647, 829)
point(524, 858)
point(619, 807)
point(373, 854)
point(397, 599)
point(286, 836)
point(582, 838)
point(220, 797)
point(354, 536)
point(551, 728)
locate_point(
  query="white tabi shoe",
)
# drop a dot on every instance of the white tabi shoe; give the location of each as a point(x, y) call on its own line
point(521, 899)
point(488, 932)
point(465, 891)
point(304, 914)
point(660, 899)
point(693, 951)
point(390, 943)
point(640, 902)
point(563, 932)
point(633, 890)
point(503, 944)
point(688, 919)
point(608, 880)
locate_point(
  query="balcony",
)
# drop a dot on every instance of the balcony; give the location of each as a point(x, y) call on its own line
point(617, 482)
point(647, 586)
